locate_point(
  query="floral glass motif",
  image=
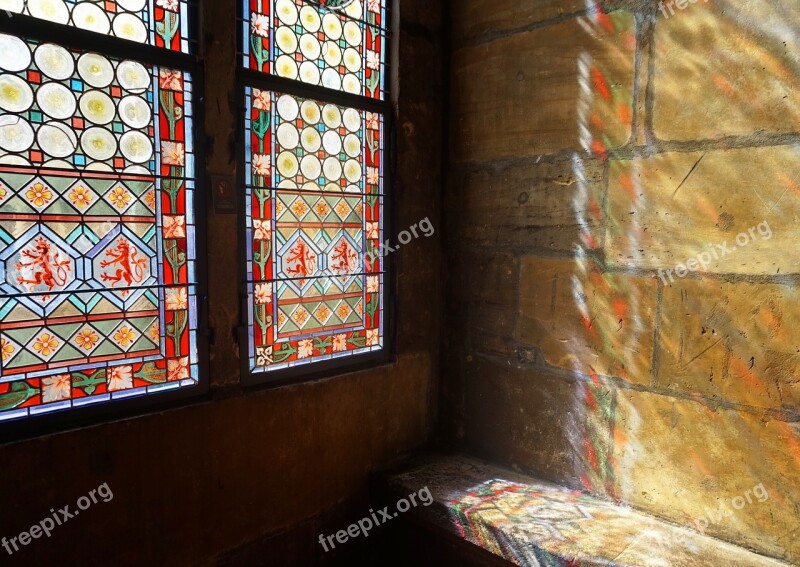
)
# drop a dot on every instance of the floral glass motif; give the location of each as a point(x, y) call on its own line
point(314, 208)
point(97, 235)
point(318, 43)
point(162, 23)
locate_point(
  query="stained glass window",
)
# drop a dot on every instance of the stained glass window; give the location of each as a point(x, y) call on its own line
point(162, 23)
point(98, 276)
point(338, 44)
point(314, 181)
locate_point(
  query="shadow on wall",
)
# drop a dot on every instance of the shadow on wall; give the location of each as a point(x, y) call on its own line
point(678, 311)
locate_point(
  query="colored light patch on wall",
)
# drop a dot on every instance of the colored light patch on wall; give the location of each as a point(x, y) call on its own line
point(314, 190)
point(97, 261)
point(343, 50)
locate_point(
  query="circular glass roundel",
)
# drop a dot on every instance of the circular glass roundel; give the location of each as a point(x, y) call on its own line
point(287, 184)
point(11, 159)
point(331, 53)
point(309, 73)
point(132, 5)
point(352, 145)
point(310, 111)
point(332, 168)
point(287, 164)
point(287, 108)
point(16, 135)
point(136, 170)
point(288, 137)
point(95, 70)
point(332, 5)
point(351, 84)
point(331, 79)
point(352, 60)
point(310, 167)
point(12, 6)
point(15, 94)
point(128, 26)
point(57, 164)
point(311, 140)
point(54, 61)
point(309, 18)
point(135, 112)
point(285, 66)
point(16, 55)
point(332, 26)
point(332, 143)
point(352, 33)
point(56, 100)
point(352, 171)
point(354, 10)
point(89, 16)
point(99, 166)
point(57, 140)
point(286, 10)
point(50, 10)
point(136, 147)
point(352, 120)
point(133, 76)
point(309, 46)
point(286, 40)
point(332, 116)
point(97, 107)
point(98, 143)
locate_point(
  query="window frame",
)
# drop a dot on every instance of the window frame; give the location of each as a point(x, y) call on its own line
point(246, 77)
point(28, 27)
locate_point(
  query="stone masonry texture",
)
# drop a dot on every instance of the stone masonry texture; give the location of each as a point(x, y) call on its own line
point(622, 213)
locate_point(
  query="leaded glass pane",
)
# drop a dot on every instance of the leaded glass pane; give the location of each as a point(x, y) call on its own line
point(97, 231)
point(162, 23)
point(314, 187)
point(338, 44)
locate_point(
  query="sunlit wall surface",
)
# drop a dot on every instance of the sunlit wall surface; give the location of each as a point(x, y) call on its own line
point(624, 205)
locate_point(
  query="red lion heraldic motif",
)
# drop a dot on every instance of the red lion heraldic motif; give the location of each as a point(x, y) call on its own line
point(131, 269)
point(46, 268)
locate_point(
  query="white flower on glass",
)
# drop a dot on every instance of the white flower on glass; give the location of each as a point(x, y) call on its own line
point(373, 338)
point(374, 5)
point(339, 343)
point(173, 153)
point(262, 164)
point(56, 388)
point(177, 369)
point(373, 284)
point(260, 229)
point(260, 25)
point(174, 227)
point(372, 121)
point(170, 80)
point(372, 229)
point(373, 60)
point(263, 356)
point(305, 348)
point(263, 293)
point(171, 5)
point(176, 298)
point(261, 100)
point(373, 177)
point(120, 378)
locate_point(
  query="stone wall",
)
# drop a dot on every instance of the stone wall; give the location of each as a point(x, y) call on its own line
point(592, 150)
point(195, 483)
